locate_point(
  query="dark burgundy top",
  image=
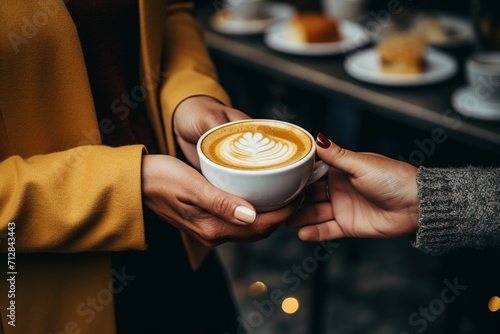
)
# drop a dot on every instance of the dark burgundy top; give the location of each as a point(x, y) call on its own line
point(109, 35)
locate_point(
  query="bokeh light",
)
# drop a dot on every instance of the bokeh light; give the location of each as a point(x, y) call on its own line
point(494, 304)
point(290, 305)
point(257, 289)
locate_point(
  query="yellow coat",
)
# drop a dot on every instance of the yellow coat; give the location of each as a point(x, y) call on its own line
point(72, 200)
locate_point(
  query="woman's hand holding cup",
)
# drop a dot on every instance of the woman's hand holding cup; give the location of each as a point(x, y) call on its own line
point(369, 196)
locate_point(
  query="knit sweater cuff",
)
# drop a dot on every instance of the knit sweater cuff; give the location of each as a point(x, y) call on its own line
point(459, 208)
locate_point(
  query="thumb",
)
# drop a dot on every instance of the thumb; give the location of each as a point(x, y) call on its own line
point(340, 158)
point(226, 206)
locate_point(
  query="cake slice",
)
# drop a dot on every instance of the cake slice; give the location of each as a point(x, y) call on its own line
point(402, 53)
point(314, 28)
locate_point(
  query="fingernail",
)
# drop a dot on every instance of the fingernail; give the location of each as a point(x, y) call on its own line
point(322, 141)
point(245, 214)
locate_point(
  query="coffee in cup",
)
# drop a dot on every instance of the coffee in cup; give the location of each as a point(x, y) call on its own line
point(256, 145)
point(267, 162)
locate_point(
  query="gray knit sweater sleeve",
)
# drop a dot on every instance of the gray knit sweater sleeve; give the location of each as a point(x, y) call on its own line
point(459, 207)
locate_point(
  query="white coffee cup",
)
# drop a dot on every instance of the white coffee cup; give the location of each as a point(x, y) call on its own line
point(482, 70)
point(344, 9)
point(243, 9)
point(258, 165)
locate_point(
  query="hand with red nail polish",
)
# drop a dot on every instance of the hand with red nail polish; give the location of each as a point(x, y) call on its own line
point(366, 195)
point(322, 141)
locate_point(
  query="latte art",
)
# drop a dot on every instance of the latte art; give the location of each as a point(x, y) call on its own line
point(256, 145)
point(256, 149)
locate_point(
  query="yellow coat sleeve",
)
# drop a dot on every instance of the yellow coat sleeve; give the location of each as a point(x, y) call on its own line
point(84, 199)
point(187, 65)
point(189, 72)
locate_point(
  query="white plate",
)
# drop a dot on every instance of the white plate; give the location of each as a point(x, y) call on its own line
point(272, 12)
point(459, 28)
point(365, 65)
point(465, 102)
point(279, 37)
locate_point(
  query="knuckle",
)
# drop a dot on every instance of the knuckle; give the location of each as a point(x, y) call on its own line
point(209, 233)
point(340, 153)
point(336, 153)
point(222, 205)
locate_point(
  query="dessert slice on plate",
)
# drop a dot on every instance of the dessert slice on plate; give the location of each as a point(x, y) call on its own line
point(313, 34)
point(402, 59)
point(402, 53)
point(314, 28)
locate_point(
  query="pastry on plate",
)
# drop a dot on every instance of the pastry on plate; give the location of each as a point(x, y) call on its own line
point(402, 53)
point(435, 30)
point(314, 28)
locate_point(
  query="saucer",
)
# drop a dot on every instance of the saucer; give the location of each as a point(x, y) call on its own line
point(457, 30)
point(365, 65)
point(442, 29)
point(465, 102)
point(271, 12)
point(280, 38)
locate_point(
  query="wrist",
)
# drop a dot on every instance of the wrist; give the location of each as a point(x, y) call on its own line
point(196, 99)
point(147, 178)
point(415, 201)
point(408, 193)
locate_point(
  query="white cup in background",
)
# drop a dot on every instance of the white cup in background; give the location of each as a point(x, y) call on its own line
point(482, 70)
point(244, 9)
point(344, 9)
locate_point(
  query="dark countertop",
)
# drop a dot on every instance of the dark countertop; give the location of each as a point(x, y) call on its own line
point(424, 107)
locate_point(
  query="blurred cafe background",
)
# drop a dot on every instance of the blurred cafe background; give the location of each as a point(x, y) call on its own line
point(418, 98)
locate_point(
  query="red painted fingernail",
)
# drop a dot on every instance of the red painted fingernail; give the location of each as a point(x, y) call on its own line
point(322, 141)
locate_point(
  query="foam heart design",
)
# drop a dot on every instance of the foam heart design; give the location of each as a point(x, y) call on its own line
point(256, 149)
